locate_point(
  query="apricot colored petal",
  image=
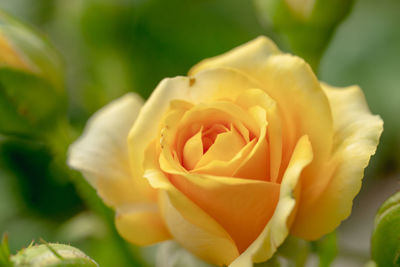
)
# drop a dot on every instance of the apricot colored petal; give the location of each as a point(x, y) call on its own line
point(226, 168)
point(193, 151)
point(256, 164)
point(357, 134)
point(276, 230)
point(275, 141)
point(260, 98)
point(205, 86)
point(226, 199)
point(141, 224)
point(101, 153)
point(190, 225)
point(225, 147)
point(241, 57)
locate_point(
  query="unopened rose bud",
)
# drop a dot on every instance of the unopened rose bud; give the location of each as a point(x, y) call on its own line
point(24, 49)
point(54, 255)
point(386, 236)
point(306, 25)
point(302, 8)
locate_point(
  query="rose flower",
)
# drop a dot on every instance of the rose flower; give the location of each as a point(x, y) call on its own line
point(230, 160)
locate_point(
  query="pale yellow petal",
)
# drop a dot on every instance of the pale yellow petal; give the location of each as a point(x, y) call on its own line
point(101, 153)
point(277, 230)
point(304, 110)
point(357, 134)
point(244, 56)
point(141, 224)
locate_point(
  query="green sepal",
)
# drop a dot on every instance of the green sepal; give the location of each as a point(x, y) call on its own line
point(5, 252)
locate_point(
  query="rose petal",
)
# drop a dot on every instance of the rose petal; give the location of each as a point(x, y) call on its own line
point(141, 224)
point(241, 206)
point(224, 168)
point(258, 98)
point(305, 110)
point(193, 151)
point(246, 56)
point(276, 230)
point(101, 153)
point(256, 164)
point(225, 147)
point(357, 133)
point(191, 226)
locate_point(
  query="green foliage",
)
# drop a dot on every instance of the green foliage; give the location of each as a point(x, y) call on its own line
point(385, 247)
point(326, 249)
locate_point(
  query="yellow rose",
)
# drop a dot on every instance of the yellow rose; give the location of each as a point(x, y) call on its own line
point(230, 160)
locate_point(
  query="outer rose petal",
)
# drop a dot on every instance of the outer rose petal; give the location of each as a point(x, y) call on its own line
point(357, 133)
point(246, 56)
point(101, 155)
point(277, 228)
point(141, 224)
point(190, 225)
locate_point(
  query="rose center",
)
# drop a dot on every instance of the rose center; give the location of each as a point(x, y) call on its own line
point(209, 135)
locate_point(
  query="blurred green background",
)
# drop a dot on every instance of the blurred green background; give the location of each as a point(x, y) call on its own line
point(110, 47)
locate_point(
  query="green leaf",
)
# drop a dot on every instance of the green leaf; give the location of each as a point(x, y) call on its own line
point(385, 248)
point(326, 249)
